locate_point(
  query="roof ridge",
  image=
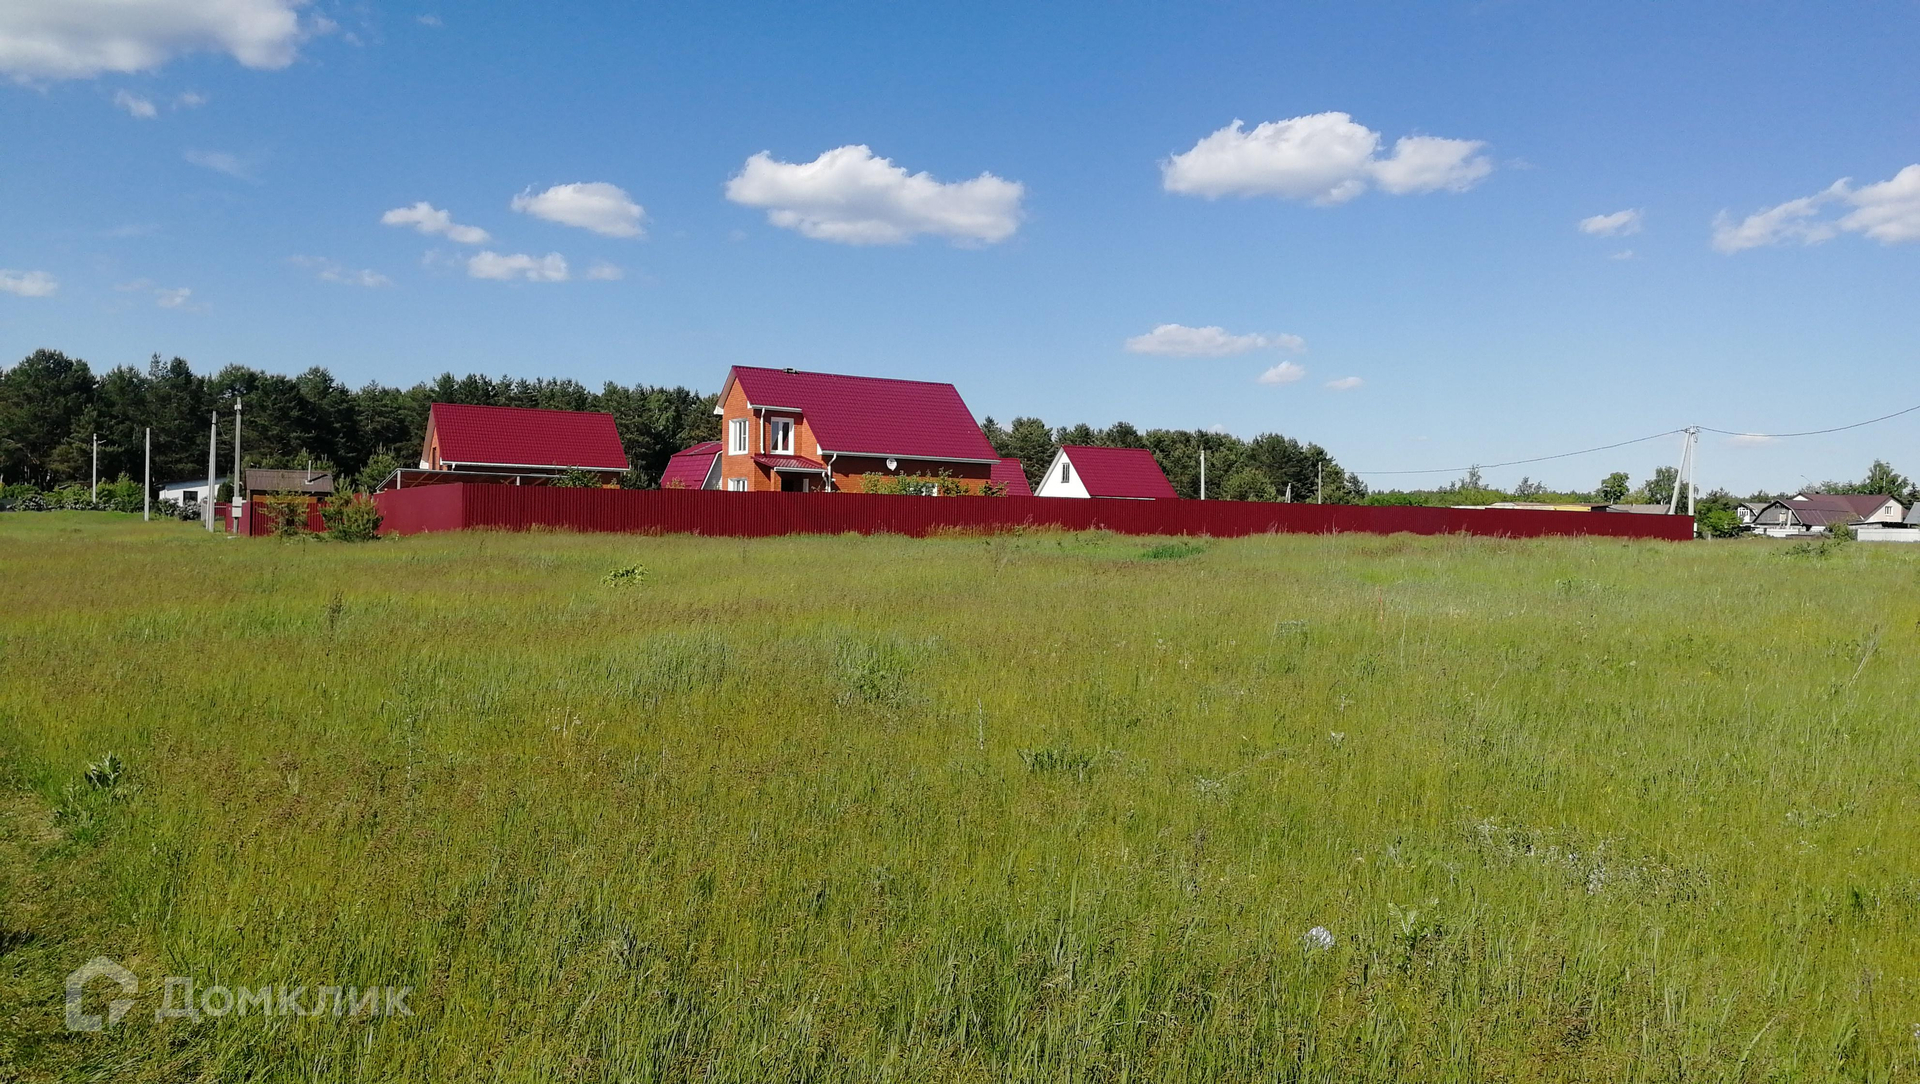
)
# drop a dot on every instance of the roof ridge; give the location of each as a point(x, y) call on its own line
point(846, 376)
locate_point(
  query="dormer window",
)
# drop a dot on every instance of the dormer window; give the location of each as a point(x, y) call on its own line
point(782, 436)
point(737, 436)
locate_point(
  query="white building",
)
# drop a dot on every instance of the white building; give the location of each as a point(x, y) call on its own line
point(185, 493)
point(1083, 471)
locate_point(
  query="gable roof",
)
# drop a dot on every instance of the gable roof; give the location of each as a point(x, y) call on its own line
point(870, 415)
point(1860, 504)
point(1010, 473)
point(1118, 472)
point(688, 467)
point(493, 436)
point(263, 480)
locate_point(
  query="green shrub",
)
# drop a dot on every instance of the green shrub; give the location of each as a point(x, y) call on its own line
point(575, 478)
point(351, 517)
point(286, 515)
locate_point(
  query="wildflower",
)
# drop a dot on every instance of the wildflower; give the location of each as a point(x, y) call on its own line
point(1317, 939)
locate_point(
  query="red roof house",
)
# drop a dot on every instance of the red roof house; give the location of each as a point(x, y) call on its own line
point(491, 439)
point(692, 468)
point(782, 429)
point(1080, 470)
point(1010, 473)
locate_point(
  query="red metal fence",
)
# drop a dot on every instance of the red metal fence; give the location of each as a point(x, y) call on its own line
point(715, 512)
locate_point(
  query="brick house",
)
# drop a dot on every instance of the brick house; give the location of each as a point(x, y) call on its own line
point(786, 430)
point(521, 441)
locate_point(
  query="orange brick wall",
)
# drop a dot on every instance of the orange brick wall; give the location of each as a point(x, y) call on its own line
point(846, 469)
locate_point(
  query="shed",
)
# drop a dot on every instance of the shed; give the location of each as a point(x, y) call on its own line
point(260, 480)
point(1080, 470)
point(491, 439)
point(1012, 474)
point(693, 468)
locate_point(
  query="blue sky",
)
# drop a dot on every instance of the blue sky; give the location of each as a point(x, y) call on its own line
point(1082, 188)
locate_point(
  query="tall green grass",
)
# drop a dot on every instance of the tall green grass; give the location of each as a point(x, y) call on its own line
point(1044, 807)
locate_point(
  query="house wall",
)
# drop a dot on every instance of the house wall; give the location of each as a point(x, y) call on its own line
point(1051, 484)
point(847, 470)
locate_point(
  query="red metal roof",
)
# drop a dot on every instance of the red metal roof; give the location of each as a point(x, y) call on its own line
point(524, 437)
point(908, 419)
point(1119, 472)
point(790, 462)
point(688, 467)
point(1009, 473)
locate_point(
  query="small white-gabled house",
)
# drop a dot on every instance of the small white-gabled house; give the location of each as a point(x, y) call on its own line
point(185, 493)
point(1080, 470)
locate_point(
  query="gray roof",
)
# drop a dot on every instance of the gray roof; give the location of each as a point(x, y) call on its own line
point(288, 481)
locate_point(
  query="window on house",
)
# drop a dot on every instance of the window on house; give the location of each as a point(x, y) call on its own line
point(1066, 471)
point(737, 436)
point(737, 485)
point(783, 436)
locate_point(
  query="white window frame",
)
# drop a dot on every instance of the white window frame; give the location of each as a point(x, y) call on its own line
point(737, 430)
point(736, 485)
point(782, 426)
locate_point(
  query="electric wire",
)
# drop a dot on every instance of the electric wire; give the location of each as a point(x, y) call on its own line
point(1641, 440)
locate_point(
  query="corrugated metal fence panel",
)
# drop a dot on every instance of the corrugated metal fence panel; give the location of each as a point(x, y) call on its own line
point(427, 508)
point(715, 512)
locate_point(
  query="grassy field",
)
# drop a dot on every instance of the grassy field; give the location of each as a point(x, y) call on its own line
point(1047, 807)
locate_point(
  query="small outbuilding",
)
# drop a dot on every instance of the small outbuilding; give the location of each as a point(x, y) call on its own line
point(261, 480)
point(697, 467)
point(190, 492)
point(522, 441)
point(1012, 474)
point(1080, 470)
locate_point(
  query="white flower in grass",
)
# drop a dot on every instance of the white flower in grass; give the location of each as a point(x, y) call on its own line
point(1317, 939)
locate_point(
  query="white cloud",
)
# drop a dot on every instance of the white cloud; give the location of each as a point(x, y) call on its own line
point(491, 265)
point(594, 205)
point(1617, 224)
point(1749, 440)
point(191, 99)
point(605, 272)
point(1326, 158)
point(429, 20)
point(135, 105)
point(1432, 164)
point(1284, 373)
point(428, 219)
point(851, 196)
point(1181, 341)
point(1623, 254)
point(1887, 211)
point(1345, 383)
point(28, 283)
point(221, 162)
point(328, 271)
point(172, 299)
point(76, 39)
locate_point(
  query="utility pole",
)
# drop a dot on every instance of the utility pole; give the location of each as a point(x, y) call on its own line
point(236, 449)
point(213, 464)
point(146, 491)
point(96, 468)
point(1203, 472)
point(1319, 478)
point(1683, 475)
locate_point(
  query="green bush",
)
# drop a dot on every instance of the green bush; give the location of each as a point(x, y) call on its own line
point(575, 478)
point(286, 515)
point(915, 485)
point(351, 517)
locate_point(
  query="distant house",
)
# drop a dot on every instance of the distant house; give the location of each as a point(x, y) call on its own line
point(1817, 513)
point(1869, 508)
point(260, 480)
point(185, 493)
point(527, 444)
point(1012, 474)
point(697, 467)
point(1748, 511)
point(793, 431)
point(1080, 470)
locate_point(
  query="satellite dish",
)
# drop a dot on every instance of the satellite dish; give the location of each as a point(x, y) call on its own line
point(893, 464)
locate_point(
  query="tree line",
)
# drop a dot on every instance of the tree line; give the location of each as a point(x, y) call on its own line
point(1270, 467)
point(52, 407)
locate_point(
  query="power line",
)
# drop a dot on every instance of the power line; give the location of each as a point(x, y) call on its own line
point(1521, 462)
point(1641, 440)
point(1814, 432)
